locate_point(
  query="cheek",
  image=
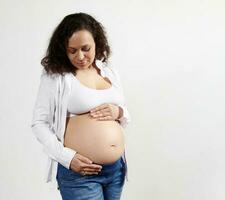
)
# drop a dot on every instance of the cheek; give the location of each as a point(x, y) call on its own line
point(71, 57)
point(92, 54)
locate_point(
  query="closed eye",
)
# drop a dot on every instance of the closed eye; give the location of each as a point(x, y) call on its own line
point(86, 49)
point(83, 49)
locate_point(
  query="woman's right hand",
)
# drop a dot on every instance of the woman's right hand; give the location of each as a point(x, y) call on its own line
point(84, 166)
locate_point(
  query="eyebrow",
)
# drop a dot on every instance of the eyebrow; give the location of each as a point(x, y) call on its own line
point(81, 46)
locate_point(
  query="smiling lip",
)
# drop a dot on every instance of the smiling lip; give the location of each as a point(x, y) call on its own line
point(82, 63)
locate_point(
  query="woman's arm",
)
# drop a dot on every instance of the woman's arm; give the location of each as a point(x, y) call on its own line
point(125, 118)
point(43, 114)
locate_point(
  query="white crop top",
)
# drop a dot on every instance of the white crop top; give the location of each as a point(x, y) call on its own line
point(82, 98)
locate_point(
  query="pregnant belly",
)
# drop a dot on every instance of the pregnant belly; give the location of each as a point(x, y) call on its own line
point(100, 141)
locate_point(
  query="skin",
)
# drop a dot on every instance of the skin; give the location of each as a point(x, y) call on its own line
point(81, 53)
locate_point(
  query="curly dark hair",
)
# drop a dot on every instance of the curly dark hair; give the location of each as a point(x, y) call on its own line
point(56, 60)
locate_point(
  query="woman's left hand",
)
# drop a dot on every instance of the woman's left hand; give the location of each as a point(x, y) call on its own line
point(106, 112)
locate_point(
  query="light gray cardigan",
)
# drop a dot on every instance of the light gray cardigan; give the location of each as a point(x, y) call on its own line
point(49, 117)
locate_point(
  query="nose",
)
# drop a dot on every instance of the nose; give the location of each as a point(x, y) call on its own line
point(80, 56)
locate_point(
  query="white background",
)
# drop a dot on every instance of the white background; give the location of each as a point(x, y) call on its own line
point(170, 55)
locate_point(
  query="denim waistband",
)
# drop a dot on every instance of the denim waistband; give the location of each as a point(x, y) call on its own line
point(113, 165)
point(118, 163)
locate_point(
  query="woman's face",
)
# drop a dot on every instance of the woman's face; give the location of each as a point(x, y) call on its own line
point(81, 49)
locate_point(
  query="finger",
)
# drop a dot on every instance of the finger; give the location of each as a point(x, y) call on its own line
point(84, 159)
point(101, 114)
point(91, 166)
point(95, 166)
point(104, 110)
point(90, 173)
point(105, 118)
point(91, 170)
point(105, 105)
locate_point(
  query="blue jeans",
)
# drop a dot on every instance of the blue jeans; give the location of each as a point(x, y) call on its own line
point(106, 185)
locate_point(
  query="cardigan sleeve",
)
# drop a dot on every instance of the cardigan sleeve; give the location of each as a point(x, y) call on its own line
point(41, 125)
point(125, 119)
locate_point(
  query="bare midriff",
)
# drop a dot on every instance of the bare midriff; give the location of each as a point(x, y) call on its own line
point(100, 141)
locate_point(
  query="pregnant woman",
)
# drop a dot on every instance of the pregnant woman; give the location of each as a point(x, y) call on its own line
point(80, 113)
